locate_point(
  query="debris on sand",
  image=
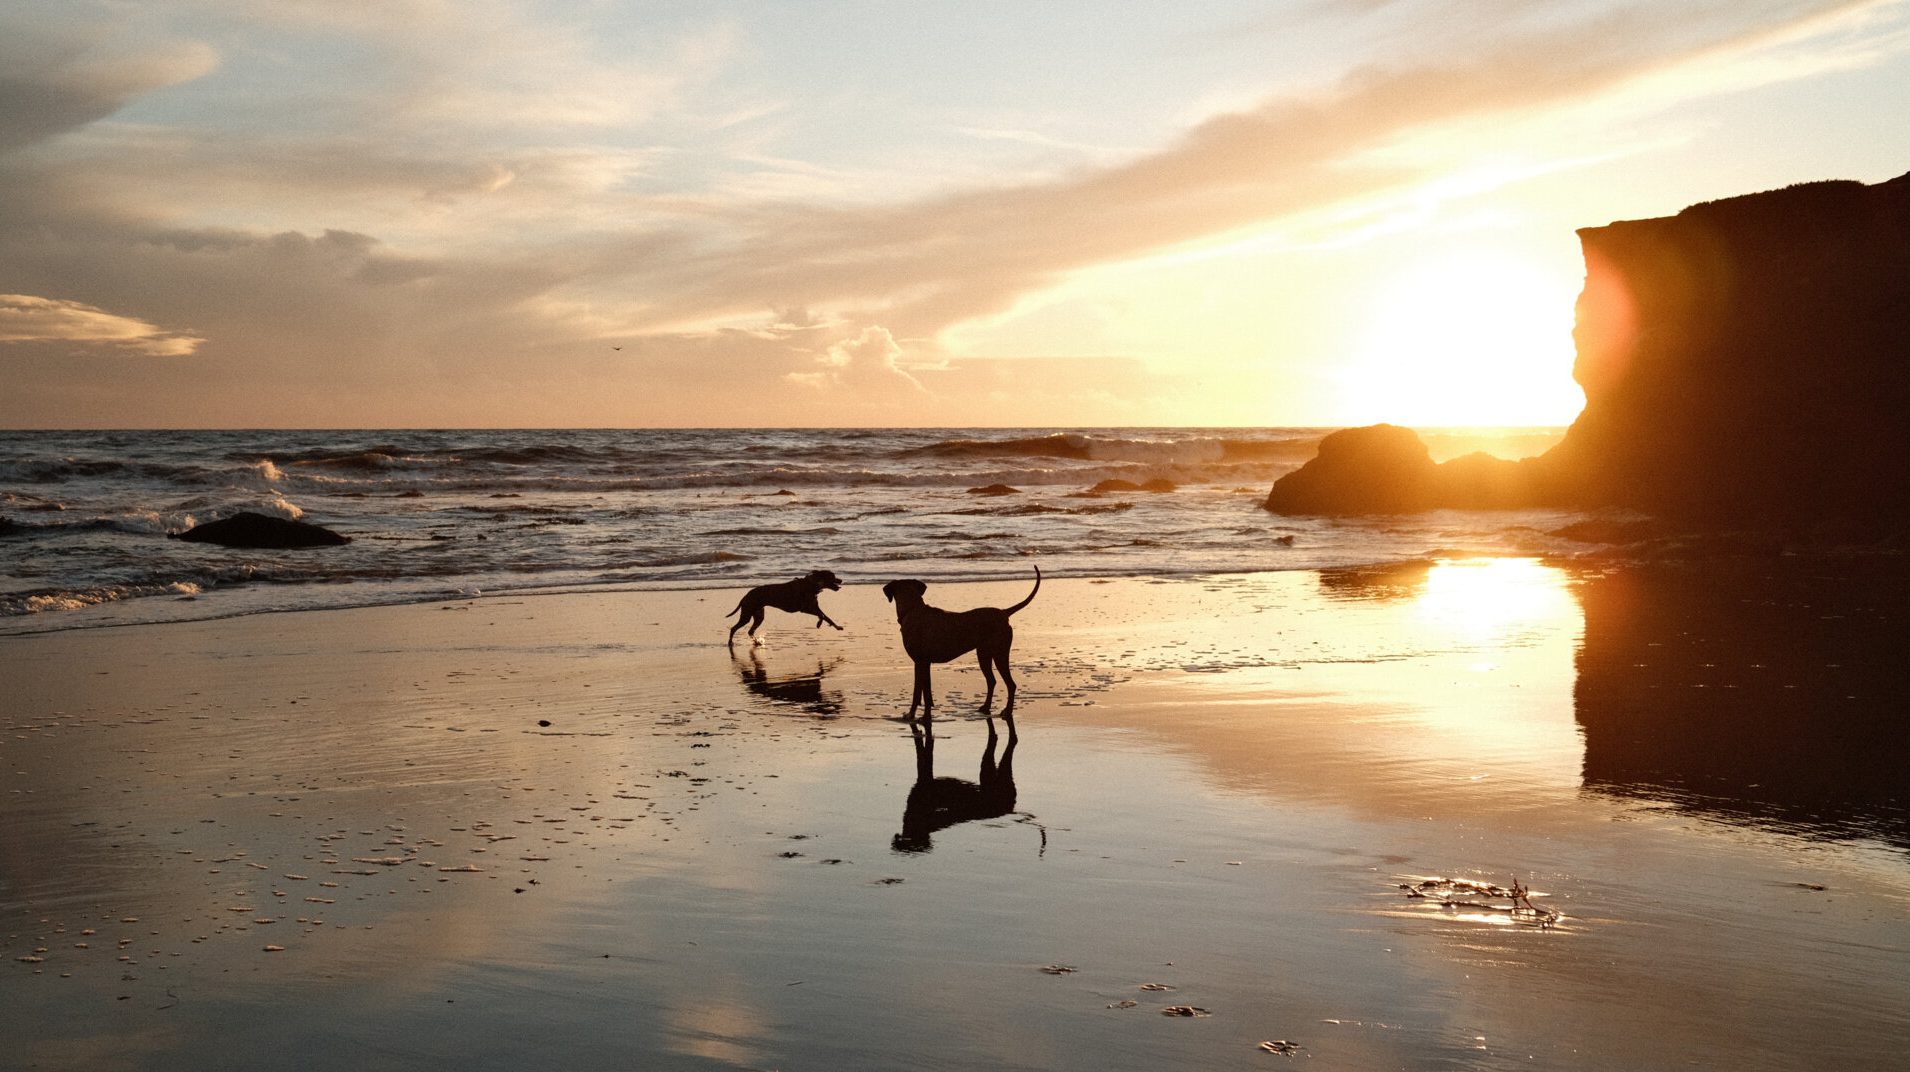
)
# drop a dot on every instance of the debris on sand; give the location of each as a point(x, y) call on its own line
point(1465, 893)
point(1284, 1046)
point(1185, 1010)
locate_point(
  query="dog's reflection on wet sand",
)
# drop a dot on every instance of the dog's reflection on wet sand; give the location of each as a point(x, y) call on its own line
point(936, 804)
point(802, 690)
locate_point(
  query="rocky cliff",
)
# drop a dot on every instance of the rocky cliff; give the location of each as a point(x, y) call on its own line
point(1745, 359)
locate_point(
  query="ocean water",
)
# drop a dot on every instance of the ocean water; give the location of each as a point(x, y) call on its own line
point(85, 516)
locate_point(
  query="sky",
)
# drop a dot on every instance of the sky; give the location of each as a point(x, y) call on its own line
point(742, 213)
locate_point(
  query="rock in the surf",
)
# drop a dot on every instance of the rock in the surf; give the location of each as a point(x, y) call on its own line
point(248, 529)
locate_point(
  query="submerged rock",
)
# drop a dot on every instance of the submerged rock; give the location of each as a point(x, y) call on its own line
point(247, 529)
point(1156, 484)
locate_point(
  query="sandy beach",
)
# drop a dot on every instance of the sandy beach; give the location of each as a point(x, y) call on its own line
point(575, 831)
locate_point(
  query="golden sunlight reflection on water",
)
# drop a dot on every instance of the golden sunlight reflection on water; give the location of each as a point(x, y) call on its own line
point(1435, 684)
point(1485, 600)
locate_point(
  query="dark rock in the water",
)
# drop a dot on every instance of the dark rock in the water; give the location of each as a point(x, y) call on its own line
point(1743, 362)
point(1385, 469)
point(1479, 481)
point(7, 527)
point(247, 529)
point(1379, 469)
point(1156, 484)
point(995, 489)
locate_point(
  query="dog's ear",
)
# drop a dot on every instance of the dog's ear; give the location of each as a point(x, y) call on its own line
point(888, 591)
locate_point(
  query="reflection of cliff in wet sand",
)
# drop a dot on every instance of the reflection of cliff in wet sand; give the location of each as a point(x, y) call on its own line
point(1759, 690)
point(935, 804)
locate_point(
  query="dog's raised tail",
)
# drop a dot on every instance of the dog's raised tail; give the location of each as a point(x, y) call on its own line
point(1010, 612)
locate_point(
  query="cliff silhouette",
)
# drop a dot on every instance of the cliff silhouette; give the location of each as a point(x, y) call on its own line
point(1745, 361)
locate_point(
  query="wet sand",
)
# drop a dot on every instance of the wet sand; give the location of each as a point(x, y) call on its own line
point(575, 831)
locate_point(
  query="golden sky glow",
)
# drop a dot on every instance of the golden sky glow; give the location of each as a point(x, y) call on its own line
point(1313, 212)
point(1464, 337)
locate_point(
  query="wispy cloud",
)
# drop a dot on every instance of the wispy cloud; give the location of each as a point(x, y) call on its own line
point(25, 318)
point(918, 267)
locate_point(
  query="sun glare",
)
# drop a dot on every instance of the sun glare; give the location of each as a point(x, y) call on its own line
point(1491, 600)
point(1465, 339)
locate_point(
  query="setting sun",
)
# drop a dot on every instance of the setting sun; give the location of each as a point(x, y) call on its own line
point(1466, 338)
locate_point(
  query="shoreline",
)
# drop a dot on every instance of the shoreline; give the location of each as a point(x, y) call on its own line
point(625, 587)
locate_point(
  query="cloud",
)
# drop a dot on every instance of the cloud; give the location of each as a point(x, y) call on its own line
point(499, 196)
point(919, 267)
point(24, 318)
point(438, 68)
point(867, 364)
point(59, 79)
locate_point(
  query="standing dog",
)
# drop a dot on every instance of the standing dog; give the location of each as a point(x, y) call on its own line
point(796, 597)
point(932, 635)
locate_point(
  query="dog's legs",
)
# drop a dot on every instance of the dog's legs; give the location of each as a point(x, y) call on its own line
point(922, 695)
point(988, 675)
point(1007, 676)
point(756, 622)
point(740, 619)
point(821, 618)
